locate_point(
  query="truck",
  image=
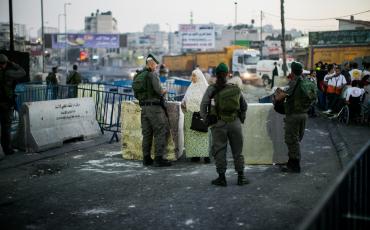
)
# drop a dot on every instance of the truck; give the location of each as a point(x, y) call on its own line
point(242, 61)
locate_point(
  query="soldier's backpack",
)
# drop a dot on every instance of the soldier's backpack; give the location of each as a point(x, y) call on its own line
point(227, 103)
point(140, 85)
point(305, 94)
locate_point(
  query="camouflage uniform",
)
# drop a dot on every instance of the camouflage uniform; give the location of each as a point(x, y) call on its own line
point(8, 77)
point(295, 123)
point(154, 122)
point(222, 132)
point(51, 79)
point(73, 80)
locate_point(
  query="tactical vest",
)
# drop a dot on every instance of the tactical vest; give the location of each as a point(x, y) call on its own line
point(227, 103)
point(143, 88)
point(304, 95)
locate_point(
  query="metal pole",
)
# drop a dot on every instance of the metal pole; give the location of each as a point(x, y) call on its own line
point(261, 35)
point(59, 22)
point(65, 35)
point(59, 50)
point(283, 36)
point(236, 5)
point(11, 45)
point(42, 36)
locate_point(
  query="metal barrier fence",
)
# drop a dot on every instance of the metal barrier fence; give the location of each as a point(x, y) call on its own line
point(347, 203)
point(108, 100)
point(107, 107)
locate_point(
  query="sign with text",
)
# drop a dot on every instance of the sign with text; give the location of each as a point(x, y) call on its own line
point(85, 40)
point(341, 37)
point(197, 36)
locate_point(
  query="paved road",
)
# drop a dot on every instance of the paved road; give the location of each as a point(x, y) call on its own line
point(87, 185)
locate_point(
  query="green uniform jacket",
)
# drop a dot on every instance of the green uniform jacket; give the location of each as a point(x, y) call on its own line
point(51, 79)
point(74, 78)
point(154, 87)
point(289, 103)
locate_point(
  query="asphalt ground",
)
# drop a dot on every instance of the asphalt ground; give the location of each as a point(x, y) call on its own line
point(87, 185)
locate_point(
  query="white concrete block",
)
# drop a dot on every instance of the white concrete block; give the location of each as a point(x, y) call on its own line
point(263, 132)
point(47, 124)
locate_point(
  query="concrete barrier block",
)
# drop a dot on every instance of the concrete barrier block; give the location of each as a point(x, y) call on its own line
point(263, 132)
point(131, 131)
point(47, 124)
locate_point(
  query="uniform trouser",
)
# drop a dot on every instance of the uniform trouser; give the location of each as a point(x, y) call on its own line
point(221, 133)
point(6, 111)
point(294, 130)
point(154, 123)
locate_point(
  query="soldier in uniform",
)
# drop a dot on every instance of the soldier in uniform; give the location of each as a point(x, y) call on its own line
point(154, 121)
point(52, 79)
point(295, 122)
point(9, 74)
point(73, 79)
point(225, 130)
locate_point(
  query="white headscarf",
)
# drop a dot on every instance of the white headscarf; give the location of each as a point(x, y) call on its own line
point(195, 92)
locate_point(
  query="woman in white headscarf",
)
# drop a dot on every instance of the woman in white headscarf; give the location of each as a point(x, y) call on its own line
point(196, 143)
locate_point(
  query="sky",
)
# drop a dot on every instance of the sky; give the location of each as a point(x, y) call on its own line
point(133, 15)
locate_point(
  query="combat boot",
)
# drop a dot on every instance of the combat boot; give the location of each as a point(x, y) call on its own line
point(220, 181)
point(242, 180)
point(292, 166)
point(160, 162)
point(147, 160)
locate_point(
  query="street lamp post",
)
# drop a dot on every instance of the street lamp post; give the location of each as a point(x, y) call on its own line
point(236, 7)
point(42, 36)
point(59, 50)
point(65, 34)
point(59, 22)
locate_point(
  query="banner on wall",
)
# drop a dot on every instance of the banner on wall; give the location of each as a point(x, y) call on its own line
point(85, 40)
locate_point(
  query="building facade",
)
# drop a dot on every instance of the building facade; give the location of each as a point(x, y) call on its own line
point(101, 22)
point(352, 24)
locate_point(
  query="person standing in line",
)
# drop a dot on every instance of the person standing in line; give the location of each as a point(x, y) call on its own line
point(345, 72)
point(196, 143)
point(228, 114)
point(10, 73)
point(335, 83)
point(154, 120)
point(274, 73)
point(355, 72)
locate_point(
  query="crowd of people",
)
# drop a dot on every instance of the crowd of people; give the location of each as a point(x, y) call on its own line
point(342, 84)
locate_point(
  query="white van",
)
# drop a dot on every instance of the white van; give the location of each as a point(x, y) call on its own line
point(265, 68)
